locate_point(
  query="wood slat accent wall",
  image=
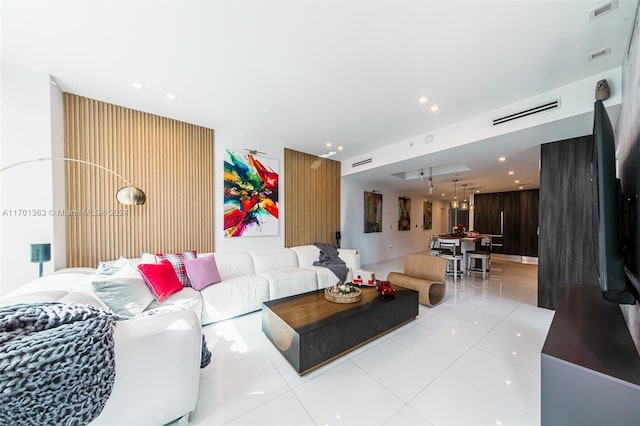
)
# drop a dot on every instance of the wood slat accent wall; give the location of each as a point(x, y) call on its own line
point(312, 199)
point(172, 161)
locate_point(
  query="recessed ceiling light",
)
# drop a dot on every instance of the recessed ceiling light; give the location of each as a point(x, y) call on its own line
point(516, 181)
point(521, 187)
point(171, 96)
point(502, 159)
point(443, 194)
point(477, 191)
point(434, 108)
point(137, 86)
point(511, 172)
point(328, 144)
point(423, 100)
point(340, 148)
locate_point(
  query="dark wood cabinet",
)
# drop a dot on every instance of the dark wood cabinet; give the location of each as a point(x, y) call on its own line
point(514, 215)
point(529, 202)
point(511, 223)
point(487, 214)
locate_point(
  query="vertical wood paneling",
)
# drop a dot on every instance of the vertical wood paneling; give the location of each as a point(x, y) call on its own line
point(312, 199)
point(172, 161)
point(568, 219)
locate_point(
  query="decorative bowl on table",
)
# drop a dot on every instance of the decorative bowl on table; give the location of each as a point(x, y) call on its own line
point(343, 293)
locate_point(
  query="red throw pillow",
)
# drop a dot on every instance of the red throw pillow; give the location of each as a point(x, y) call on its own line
point(160, 278)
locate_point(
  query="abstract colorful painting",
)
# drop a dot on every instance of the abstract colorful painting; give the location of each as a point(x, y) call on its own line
point(372, 212)
point(250, 195)
point(404, 214)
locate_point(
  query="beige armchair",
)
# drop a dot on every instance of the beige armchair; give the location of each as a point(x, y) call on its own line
point(423, 273)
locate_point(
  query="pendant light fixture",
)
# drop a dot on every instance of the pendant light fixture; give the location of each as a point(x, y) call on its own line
point(455, 203)
point(430, 186)
point(464, 205)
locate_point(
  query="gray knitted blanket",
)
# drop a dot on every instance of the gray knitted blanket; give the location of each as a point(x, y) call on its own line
point(57, 363)
point(329, 259)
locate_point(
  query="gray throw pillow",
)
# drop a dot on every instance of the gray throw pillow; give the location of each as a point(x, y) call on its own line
point(125, 292)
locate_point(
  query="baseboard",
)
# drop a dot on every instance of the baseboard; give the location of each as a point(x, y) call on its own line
point(515, 258)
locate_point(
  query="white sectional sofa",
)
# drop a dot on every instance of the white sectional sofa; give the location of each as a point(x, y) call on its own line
point(252, 277)
point(169, 333)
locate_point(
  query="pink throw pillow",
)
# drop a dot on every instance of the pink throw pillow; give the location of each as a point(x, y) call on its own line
point(160, 278)
point(202, 271)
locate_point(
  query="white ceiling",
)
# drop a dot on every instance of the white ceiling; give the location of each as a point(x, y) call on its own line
point(302, 73)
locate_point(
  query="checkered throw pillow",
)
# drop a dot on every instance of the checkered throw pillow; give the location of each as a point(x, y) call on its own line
point(176, 260)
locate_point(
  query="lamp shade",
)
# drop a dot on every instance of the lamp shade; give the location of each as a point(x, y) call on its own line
point(40, 252)
point(131, 195)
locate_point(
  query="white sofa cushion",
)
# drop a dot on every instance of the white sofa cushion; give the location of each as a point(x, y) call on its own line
point(307, 255)
point(234, 264)
point(325, 276)
point(233, 297)
point(276, 259)
point(68, 287)
point(287, 282)
point(186, 299)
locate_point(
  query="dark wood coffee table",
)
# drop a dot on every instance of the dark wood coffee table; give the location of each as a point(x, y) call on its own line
point(310, 331)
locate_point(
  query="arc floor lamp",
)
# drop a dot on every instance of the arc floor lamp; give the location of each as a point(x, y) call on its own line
point(127, 195)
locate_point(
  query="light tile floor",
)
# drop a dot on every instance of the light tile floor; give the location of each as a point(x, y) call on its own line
point(472, 360)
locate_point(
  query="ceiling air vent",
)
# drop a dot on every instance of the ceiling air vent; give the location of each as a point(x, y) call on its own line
point(599, 53)
point(527, 112)
point(602, 9)
point(361, 163)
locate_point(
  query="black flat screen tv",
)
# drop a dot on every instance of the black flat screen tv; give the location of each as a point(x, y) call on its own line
point(611, 219)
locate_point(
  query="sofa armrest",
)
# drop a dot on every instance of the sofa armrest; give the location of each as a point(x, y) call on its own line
point(157, 369)
point(350, 257)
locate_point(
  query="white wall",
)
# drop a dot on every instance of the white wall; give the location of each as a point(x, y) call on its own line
point(235, 142)
point(59, 248)
point(390, 243)
point(26, 195)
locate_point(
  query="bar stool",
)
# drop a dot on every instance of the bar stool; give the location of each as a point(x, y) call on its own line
point(450, 250)
point(434, 245)
point(485, 256)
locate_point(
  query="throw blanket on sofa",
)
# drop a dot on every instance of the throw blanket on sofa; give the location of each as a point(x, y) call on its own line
point(57, 363)
point(329, 259)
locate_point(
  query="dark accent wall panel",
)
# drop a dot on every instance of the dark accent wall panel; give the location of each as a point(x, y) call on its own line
point(312, 199)
point(529, 205)
point(568, 238)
